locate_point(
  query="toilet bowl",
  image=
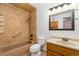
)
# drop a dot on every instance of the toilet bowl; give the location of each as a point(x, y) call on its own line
point(35, 49)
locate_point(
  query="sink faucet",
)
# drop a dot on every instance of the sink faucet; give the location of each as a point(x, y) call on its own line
point(65, 39)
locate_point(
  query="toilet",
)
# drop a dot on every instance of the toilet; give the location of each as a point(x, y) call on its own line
point(35, 49)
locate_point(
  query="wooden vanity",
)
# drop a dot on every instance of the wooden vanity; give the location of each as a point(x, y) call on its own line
point(60, 50)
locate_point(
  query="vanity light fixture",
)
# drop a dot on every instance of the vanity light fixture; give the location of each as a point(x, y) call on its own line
point(60, 5)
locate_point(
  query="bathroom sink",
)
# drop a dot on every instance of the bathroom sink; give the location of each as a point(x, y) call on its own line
point(66, 43)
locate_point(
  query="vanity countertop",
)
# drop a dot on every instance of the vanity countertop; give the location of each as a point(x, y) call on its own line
point(70, 44)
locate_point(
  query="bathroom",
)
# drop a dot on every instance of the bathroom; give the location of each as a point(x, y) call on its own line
point(43, 29)
point(30, 33)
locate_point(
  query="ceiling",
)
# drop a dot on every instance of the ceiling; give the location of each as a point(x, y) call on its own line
point(38, 5)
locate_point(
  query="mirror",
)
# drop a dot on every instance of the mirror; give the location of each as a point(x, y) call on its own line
point(62, 21)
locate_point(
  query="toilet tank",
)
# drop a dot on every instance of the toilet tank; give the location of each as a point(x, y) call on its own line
point(41, 40)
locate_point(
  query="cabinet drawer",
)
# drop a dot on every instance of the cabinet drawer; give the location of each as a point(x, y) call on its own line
point(62, 50)
point(50, 53)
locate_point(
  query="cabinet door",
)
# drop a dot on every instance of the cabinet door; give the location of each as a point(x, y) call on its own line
point(64, 51)
point(50, 53)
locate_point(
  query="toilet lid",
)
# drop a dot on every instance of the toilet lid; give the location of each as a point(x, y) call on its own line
point(35, 46)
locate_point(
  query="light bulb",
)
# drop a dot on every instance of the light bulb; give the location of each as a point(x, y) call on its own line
point(72, 6)
point(65, 7)
point(58, 9)
point(49, 12)
point(54, 11)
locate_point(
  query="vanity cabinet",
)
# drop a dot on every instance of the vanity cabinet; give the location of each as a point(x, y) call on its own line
point(57, 50)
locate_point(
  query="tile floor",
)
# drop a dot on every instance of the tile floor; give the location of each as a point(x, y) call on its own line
point(42, 54)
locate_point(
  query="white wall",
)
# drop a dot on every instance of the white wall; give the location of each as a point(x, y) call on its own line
point(43, 22)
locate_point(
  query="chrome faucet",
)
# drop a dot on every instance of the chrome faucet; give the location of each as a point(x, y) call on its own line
point(65, 39)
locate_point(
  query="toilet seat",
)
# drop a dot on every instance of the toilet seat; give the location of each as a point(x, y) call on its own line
point(35, 48)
